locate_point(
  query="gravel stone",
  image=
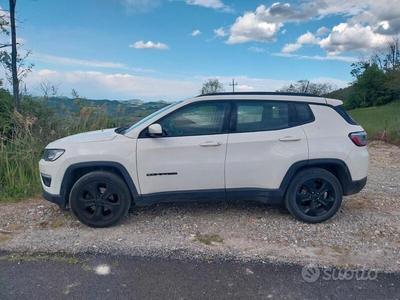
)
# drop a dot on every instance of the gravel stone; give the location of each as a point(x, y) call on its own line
point(365, 233)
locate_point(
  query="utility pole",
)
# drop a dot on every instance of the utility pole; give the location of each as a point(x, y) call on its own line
point(233, 84)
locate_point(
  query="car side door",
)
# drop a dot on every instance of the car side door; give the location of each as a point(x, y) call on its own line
point(188, 159)
point(264, 142)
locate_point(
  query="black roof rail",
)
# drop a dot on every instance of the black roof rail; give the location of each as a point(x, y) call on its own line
point(260, 94)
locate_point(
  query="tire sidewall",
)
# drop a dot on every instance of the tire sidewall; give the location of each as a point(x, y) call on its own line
point(298, 180)
point(109, 178)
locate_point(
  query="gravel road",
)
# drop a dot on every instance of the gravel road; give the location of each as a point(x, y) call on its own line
point(364, 234)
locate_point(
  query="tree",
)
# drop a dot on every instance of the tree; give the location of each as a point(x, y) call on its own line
point(14, 55)
point(305, 86)
point(212, 86)
point(48, 90)
point(377, 79)
point(13, 63)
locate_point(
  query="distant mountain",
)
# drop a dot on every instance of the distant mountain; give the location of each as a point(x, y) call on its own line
point(111, 107)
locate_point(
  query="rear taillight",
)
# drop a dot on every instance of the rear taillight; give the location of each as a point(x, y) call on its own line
point(359, 138)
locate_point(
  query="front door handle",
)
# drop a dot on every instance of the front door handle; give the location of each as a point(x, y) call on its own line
point(210, 144)
point(290, 139)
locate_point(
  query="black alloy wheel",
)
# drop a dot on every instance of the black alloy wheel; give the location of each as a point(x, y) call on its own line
point(100, 199)
point(314, 195)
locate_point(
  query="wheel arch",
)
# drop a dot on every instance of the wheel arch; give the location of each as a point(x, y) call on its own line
point(76, 171)
point(335, 166)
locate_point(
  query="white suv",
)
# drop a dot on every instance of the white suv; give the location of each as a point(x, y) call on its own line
point(298, 149)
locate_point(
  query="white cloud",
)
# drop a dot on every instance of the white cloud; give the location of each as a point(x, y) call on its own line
point(140, 6)
point(342, 7)
point(99, 85)
point(307, 38)
point(252, 27)
point(288, 48)
point(124, 86)
point(216, 4)
point(368, 22)
point(68, 61)
point(220, 32)
point(196, 32)
point(264, 23)
point(356, 38)
point(249, 84)
point(256, 49)
point(349, 59)
point(149, 45)
point(322, 31)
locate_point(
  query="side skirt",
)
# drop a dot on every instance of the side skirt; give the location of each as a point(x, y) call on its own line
point(252, 194)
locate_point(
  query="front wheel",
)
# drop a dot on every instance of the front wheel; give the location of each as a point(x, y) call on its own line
point(314, 195)
point(100, 199)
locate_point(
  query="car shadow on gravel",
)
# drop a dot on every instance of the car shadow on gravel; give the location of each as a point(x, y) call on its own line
point(217, 207)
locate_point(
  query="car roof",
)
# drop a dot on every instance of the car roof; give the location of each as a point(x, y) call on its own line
point(301, 97)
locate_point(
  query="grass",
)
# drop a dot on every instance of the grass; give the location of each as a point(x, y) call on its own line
point(208, 239)
point(32, 257)
point(376, 120)
point(21, 146)
point(19, 172)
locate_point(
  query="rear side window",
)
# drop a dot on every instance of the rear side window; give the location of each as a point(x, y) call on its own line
point(264, 116)
point(340, 110)
point(304, 113)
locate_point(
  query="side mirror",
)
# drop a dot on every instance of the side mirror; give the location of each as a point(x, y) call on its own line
point(155, 130)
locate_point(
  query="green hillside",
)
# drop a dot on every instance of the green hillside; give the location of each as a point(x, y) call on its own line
point(113, 108)
point(377, 119)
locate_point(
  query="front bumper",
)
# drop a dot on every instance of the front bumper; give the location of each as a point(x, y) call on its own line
point(57, 199)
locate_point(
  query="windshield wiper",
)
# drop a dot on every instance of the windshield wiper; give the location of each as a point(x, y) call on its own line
point(121, 130)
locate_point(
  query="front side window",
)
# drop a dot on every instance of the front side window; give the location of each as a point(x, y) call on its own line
point(195, 119)
point(264, 115)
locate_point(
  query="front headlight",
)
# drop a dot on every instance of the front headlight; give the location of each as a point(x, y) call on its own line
point(52, 154)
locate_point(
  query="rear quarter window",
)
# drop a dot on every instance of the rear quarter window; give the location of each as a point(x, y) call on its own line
point(340, 110)
point(304, 113)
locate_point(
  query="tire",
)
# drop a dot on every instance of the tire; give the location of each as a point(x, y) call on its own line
point(314, 195)
point(100, 199)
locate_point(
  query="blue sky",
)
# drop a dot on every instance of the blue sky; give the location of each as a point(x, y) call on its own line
point(166, 49)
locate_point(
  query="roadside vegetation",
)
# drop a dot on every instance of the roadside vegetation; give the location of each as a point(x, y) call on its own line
point(25, 133)
point(380, 122)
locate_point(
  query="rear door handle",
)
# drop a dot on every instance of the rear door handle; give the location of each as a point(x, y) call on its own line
point(210, 144)
point(290, 139)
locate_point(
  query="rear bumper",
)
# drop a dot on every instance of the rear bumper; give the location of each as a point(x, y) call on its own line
point(354, 187)
point(57, 199)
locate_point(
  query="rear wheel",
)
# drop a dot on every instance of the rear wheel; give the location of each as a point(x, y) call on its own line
point(100, 199)
point(314, 195)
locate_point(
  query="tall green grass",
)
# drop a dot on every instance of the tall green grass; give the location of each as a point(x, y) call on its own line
point(19, 171)
point(23, 138)
point(377, 120)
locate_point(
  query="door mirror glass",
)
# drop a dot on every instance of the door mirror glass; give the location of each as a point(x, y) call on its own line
point(155, 129)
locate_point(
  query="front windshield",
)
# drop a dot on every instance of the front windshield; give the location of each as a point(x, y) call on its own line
point(151, 116)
